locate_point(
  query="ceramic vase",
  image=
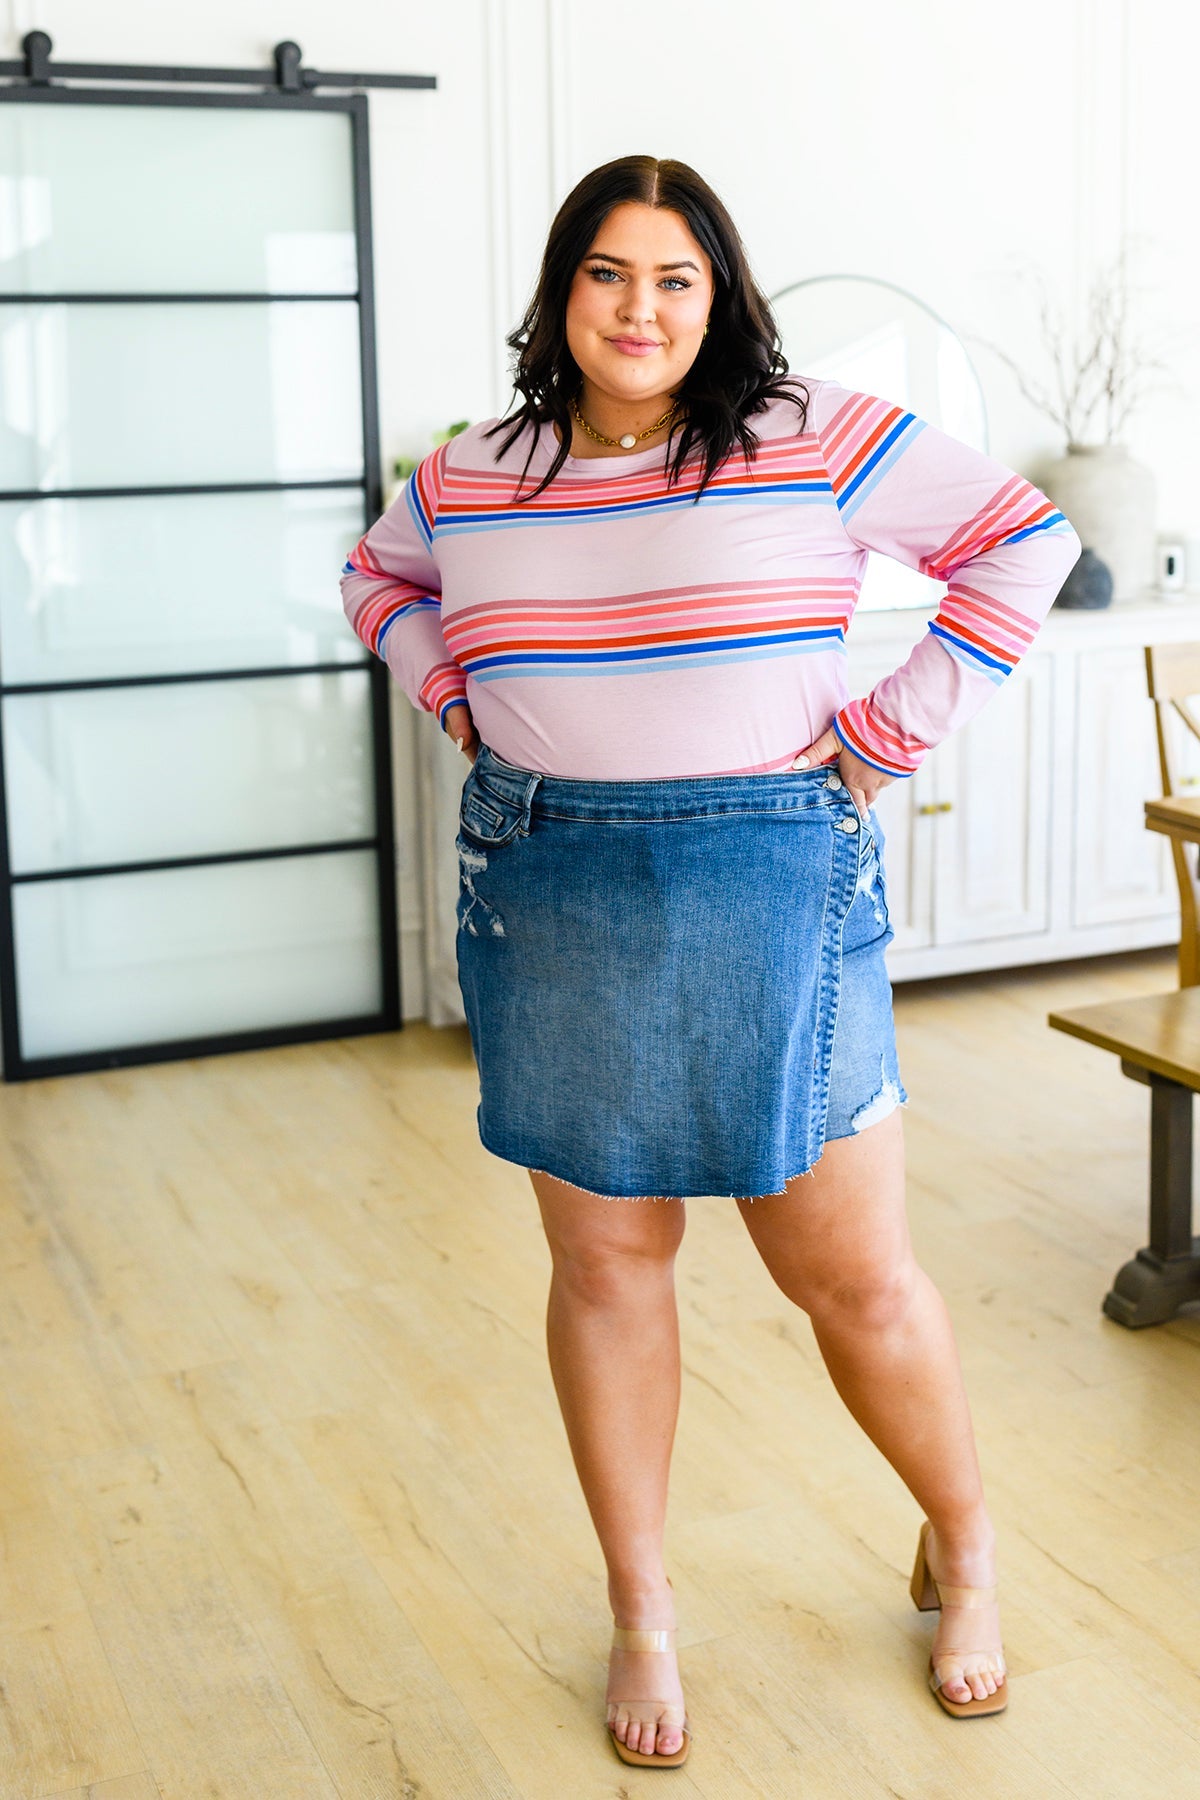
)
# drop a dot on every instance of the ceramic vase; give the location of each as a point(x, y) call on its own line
point(1111, 501)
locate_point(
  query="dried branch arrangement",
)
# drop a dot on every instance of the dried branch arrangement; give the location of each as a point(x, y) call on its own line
point(1101, 374)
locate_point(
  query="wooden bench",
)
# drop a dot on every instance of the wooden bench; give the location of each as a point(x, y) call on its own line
point(1157, 1038)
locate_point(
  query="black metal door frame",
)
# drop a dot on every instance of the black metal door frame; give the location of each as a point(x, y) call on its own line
point(34, 82)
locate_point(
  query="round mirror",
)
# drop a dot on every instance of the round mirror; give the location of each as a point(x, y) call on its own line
point(880, 339)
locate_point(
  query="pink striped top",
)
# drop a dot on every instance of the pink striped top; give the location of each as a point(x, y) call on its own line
point(616, 629)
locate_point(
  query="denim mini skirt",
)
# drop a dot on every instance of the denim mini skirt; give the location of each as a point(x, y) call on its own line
point(673, 987)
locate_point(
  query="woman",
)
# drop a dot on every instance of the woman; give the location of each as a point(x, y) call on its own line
point(630, 613)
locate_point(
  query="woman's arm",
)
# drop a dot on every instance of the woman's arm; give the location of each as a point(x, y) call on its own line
point(913, 492)
point(391, 591)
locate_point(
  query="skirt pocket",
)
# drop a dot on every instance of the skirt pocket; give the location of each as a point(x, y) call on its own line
point(486, 817)
point(487, 821)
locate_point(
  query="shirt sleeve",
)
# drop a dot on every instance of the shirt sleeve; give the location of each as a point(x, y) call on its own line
point(392, 593)
point(913, 492)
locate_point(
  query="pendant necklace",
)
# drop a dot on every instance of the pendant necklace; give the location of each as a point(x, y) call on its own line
point(629, 439)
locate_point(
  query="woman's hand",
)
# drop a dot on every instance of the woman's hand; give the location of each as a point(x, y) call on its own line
point(459, 725)
point(863, 781)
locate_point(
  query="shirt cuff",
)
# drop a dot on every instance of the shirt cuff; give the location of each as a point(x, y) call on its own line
point(444, 686)
point(878, 740)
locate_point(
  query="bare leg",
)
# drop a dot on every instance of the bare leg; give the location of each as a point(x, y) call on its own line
point(612, 1330)
point(837, 1243)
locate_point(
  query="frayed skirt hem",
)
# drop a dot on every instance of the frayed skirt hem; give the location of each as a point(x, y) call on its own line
point(899, 1100)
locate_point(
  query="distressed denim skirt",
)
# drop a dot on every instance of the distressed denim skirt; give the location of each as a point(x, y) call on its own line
point(673, 987)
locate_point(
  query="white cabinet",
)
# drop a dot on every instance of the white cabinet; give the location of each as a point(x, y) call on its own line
point(990, 835)
point(967, 836)
point(1022, 838)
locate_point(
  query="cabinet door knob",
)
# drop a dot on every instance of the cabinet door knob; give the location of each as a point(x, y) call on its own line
point(938, 806)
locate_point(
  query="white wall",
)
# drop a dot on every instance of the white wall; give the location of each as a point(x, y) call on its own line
point(943, 147)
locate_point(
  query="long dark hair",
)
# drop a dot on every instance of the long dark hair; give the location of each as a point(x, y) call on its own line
point(739, 368)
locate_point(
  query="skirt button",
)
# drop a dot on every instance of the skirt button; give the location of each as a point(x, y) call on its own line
point(848, 824)
point(834, 782)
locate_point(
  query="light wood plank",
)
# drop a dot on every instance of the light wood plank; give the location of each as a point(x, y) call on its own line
point(370, 1696)
point(37, 1583)
point(125, 1787)
point(63, 1719)
point(109, 1265)
point(209, 1709)
point(1098, 1722)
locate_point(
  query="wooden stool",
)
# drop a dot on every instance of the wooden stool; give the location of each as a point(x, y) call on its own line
point(1158, 1041)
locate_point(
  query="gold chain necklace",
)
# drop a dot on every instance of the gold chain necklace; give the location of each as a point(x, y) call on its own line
point(629, 440)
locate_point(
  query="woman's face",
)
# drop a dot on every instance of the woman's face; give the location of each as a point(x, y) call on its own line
point(638, 305)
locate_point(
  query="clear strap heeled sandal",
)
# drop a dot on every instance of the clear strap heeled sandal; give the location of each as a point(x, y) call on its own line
point(626, 1638)
point(928, 1595)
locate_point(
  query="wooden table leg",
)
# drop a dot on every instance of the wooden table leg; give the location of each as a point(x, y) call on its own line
point(1165, 1275)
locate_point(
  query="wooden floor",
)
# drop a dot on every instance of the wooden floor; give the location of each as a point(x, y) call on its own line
point(287, 1509)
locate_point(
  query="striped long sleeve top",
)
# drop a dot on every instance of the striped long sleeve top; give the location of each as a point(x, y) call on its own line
point(616, 629)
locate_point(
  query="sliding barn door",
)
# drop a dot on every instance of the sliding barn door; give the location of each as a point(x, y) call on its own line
point(196, 834)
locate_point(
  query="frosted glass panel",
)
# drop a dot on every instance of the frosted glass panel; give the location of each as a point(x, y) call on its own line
point(151, 396)
point(150, 199)
point(110, 775)
point(138, 959)
point(160, 585)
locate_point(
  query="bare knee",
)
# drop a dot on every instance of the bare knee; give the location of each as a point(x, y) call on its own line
point(608, 1275)
point(877, 1299)
point(604, 1250)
